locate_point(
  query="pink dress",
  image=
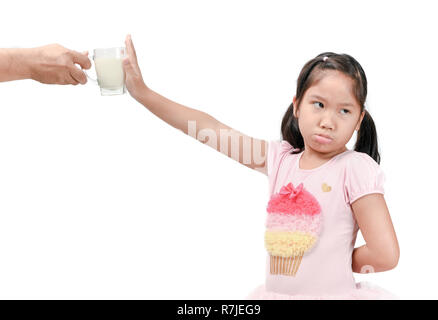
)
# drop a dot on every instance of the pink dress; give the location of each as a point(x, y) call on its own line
point(311, 229)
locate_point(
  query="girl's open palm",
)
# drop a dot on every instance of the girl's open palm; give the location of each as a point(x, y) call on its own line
point(134, 79)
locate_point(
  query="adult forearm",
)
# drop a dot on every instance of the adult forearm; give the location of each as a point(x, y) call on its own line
point(14, 64)
point(366, 261)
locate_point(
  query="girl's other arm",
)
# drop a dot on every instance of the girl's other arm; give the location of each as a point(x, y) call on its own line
point(246, 150)
point(381, 251)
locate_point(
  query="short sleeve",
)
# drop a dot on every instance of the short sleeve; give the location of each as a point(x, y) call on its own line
point(363, 176)
point(277, 149)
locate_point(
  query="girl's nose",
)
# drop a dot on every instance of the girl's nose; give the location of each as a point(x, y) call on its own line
point(327, 121)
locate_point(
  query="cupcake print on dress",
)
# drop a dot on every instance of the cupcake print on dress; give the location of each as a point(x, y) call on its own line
point(292, 228)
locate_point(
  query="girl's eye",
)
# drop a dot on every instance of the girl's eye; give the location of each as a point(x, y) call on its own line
point(346, 110)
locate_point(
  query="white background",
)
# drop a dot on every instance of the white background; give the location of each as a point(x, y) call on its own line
point(100, 199)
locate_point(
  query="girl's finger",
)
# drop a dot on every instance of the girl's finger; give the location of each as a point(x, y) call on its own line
point(133, 48)
point(128, 65)
point(130, 47)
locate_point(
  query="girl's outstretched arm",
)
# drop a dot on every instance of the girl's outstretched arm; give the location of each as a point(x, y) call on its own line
point(246, 150)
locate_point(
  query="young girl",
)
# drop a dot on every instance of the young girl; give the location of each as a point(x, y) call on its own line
point(321, 193)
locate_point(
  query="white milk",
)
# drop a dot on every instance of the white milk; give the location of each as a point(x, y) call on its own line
point(109, 72)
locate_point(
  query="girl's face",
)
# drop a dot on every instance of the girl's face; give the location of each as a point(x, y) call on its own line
point(328, 108)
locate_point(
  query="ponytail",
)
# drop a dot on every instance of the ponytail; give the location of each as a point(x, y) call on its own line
point(366, 141)
point(290, 130)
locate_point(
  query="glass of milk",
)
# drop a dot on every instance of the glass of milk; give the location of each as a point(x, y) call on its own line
point(109, 70)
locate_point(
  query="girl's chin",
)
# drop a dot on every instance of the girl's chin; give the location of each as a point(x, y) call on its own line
point(322, 148)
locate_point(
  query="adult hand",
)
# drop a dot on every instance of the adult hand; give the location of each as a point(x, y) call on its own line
point(54, 64)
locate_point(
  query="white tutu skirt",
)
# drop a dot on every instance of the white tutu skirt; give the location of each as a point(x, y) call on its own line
point(364, 291)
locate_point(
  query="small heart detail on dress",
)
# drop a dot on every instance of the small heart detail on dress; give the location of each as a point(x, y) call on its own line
point(326, 187)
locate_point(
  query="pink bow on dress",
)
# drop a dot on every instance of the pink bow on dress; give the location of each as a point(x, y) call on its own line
point(290, 190)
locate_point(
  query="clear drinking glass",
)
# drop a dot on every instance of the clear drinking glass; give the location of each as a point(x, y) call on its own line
point(109, 70)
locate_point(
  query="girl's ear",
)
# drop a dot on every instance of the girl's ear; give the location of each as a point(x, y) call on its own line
point(360, 121)
point(294, 100)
